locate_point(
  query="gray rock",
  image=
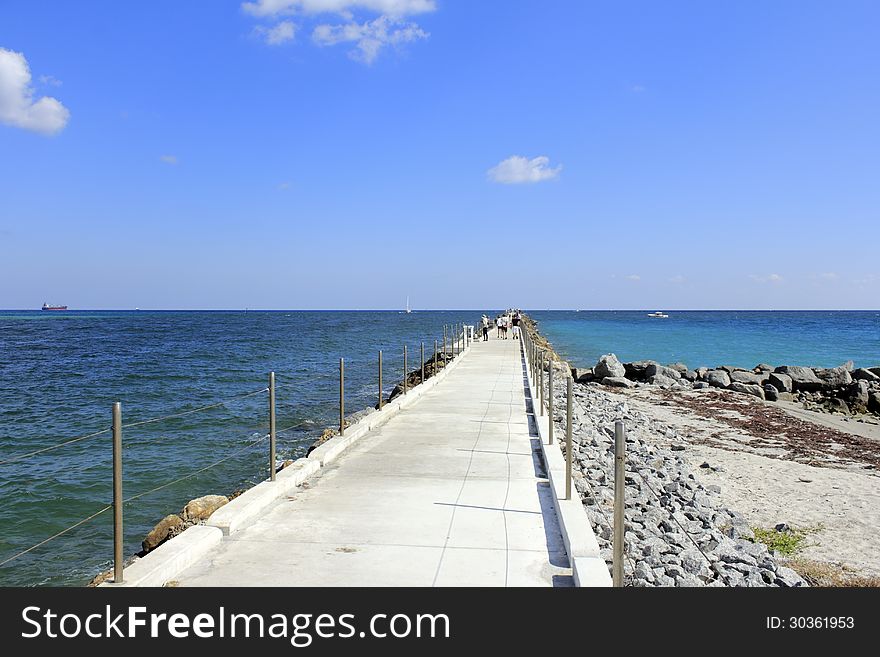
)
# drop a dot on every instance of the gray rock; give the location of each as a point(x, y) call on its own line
point(874, 370)
point(636, 370)
point(701, 385)
point(681, 368)
point(835, 377)
point(771, 393)
point(582, 374)
point(837, 405)
point(802, 378)
point(785, 396)
point(662, 381)
point(617, 382)
point(874, 402)
point(661, 370)
point(747, 377)
point(787, 577)
point(608, 365)
point(701, 372)
point(763, 367)
point(863, 374)
point(748, 389)
point(718, 378)
point(860, 392)
point(690, 375)
point(782, 382)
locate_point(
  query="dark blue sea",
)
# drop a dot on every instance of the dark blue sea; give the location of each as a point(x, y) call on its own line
point(60, 372)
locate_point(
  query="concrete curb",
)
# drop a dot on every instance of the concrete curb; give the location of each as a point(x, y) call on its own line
point(169, 559)
point(588, 568)
point(166, 561)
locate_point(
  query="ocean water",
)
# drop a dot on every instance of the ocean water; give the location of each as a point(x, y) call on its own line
point(60, 372)
point(713, 338)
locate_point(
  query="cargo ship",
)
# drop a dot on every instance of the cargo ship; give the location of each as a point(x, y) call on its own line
point(48, 306)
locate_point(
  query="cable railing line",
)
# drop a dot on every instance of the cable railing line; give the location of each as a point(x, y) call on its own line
point(132, 425)
point(54, 536)
point(454, 343)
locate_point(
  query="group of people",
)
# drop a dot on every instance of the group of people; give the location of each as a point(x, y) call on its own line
point(509, 321)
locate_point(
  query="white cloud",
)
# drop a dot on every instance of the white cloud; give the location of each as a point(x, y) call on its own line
point(281, 33)
point(772, 278)
point(634, 277)
point(370, 37)
point(169, 159)
point(341, 7)
point(517, 170)
point(18, 108)
point(829, 276)
point(678, 280)
point(50, 80)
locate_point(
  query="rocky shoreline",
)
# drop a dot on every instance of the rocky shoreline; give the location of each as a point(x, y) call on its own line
point(678, 530)
point(844, 389)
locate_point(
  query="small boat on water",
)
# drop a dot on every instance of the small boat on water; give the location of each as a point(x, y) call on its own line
point(408, 310)
point(49, 306)
point(659, 314)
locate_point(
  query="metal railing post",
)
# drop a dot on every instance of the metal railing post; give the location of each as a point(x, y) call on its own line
point(404, 370)
point(423, 363)
point(341, 396)
point(271, 426)
point(381, 400)
point(117, 492)
point(436, 362)
point(550, 403)
point(444, 345)
point(619, 500)
point(569, 445)
point(541, 382)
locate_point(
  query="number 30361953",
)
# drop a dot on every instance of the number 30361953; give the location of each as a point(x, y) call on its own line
point(810, 623)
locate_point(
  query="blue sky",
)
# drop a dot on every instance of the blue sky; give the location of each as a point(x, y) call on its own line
point(348, 153)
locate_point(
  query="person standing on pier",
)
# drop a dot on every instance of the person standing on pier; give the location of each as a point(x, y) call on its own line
point(485, 323)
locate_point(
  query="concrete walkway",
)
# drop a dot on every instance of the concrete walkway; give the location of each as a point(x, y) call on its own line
point(449, 492)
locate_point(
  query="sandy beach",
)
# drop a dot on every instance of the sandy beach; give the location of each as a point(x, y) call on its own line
point(779, 464)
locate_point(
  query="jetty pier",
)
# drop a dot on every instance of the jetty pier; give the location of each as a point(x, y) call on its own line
point(453, 484)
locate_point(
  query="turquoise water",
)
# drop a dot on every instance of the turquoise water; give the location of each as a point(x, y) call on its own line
point(61, 372)
point(712, 338)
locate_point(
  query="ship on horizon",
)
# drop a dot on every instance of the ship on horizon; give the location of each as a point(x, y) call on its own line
point(49, 306)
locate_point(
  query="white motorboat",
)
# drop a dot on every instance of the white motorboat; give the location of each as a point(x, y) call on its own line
point(658, 314)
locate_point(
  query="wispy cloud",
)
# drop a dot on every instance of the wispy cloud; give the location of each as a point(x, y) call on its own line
point(283, 187)
point(518, 170)
point(281, 33)
point(387, 27)
point(169, 159)
point(677, 279)
point(634, 277)
point(829, 276)
point(370, 37)
point(18, 107)
point(770, 278)
point(50, 80)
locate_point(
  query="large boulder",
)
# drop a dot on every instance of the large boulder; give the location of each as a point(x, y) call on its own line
point(835, 377)
point(740, 376)
point(661, 370)
point(874, 370)
point(770, 393)
point(782, 382)
point(663, 381)
point(802, 378)
point(718, 378)
point(201, 508)
point(690, 375)
point(636, 370)
point(701, 372)
point(747, 388)
point(617, 382)
point(762, 367)
point(837, 405)
point(581, 374)
point(859, 394)
point(681, 368)
point(168, 527)
point(874, 402)
point(608, 365)
point(863, 374)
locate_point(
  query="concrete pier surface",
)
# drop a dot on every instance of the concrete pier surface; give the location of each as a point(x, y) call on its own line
point(451, 491)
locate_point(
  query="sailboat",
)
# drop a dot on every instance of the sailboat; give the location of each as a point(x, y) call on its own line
point(408, 309)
